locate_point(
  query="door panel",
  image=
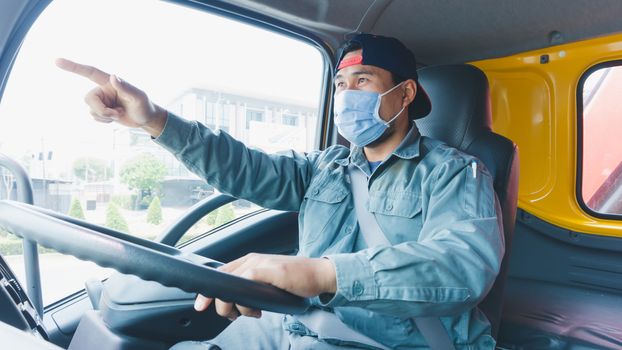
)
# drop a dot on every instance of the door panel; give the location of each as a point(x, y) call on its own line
point(564, 288)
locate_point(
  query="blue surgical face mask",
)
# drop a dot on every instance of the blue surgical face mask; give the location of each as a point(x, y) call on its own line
point(357, 115)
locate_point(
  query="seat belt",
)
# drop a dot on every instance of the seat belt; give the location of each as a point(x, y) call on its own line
point(328, 326)
point(431, 328)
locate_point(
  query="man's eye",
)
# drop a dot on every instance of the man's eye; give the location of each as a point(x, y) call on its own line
point(362, 80)
point(339, 84)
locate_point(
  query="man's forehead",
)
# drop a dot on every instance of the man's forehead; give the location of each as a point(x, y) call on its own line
point(362, 70)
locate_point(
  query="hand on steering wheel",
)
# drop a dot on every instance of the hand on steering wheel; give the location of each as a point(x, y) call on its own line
point(298, 275)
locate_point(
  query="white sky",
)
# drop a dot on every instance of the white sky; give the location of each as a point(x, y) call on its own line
point(159, 47)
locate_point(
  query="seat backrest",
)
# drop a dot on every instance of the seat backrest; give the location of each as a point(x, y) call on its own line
point(461, 117)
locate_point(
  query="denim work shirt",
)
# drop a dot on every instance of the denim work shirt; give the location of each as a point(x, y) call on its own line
point(438, 209)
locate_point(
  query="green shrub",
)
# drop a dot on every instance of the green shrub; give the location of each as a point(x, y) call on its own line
point(76, 209)
point(225, 214)
point(13, 245)
point(124, 201)
point(154, 213)
point(10, 246)
point(210, 219)
point(145, 201)
point(220, 216)
point(114, 219)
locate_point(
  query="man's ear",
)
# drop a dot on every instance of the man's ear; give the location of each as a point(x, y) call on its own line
point(410, 90)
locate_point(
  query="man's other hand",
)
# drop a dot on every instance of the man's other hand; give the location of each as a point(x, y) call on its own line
point(116, 100)
point(305, 277)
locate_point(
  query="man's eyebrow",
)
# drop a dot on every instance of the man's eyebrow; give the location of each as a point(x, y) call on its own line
point(358, 72)
point(363, 72)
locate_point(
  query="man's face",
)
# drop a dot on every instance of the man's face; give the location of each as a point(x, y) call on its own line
point(370, 78)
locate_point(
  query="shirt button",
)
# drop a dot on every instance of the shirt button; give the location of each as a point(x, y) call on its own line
point(349, 229)
point(357, 288)
point(295, 327)
point(316, 191)
point(389, 206)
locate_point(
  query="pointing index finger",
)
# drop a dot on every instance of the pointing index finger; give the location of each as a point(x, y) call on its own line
point(97, 76)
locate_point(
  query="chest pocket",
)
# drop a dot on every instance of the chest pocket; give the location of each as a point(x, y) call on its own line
point(329, 194)
point(404, 204)
point(328, 187)
point(398, 214)
point(324, 212)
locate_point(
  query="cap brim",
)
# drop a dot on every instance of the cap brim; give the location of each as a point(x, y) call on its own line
point(421, 106)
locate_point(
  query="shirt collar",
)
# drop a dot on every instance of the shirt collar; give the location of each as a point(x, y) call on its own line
point(407, 149)
point(410, 145)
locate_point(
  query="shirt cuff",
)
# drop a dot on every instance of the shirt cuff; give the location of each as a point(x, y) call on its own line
point(355, 280)
point(175, 133)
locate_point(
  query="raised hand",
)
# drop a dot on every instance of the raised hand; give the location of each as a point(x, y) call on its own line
point(114, 99)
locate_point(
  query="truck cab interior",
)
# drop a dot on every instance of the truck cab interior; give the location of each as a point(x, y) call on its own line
point(529, 85)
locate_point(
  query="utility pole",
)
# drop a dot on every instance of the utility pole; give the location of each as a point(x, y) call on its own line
point(42, 159)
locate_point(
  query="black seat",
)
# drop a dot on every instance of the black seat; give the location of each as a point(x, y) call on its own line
point(461, 117)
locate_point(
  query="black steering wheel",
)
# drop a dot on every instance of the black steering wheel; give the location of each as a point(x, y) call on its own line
point(146, 259)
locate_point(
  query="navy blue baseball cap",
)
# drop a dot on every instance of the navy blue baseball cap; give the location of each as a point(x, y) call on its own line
point(391, 55)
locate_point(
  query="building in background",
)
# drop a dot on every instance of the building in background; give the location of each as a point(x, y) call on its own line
point(269, 124)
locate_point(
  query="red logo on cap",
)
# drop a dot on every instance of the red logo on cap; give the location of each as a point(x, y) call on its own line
point(351, 61)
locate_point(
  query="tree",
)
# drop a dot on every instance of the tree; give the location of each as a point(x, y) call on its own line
point(154, 213)
point(143, 174)
point(115, 220)
point(76, 209)
point(92, 169)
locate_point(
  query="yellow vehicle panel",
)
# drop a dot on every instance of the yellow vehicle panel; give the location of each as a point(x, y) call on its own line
point(535, 104)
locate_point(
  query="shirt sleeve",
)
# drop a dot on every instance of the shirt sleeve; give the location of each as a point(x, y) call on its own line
point(447, 270)
point(276, 181)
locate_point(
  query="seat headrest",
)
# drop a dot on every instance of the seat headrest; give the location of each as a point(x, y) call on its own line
point(460, 104)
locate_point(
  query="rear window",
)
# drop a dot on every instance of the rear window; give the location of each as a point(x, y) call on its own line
point(600, 145)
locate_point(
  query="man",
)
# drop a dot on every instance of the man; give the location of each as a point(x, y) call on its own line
point(434, 208)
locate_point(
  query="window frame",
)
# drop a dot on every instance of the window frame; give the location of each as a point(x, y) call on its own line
point(324, 134)
point(580, 141)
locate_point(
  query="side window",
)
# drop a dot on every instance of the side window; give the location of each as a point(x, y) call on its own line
point(197, 66)
point(253, 115)
point(601, 127)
